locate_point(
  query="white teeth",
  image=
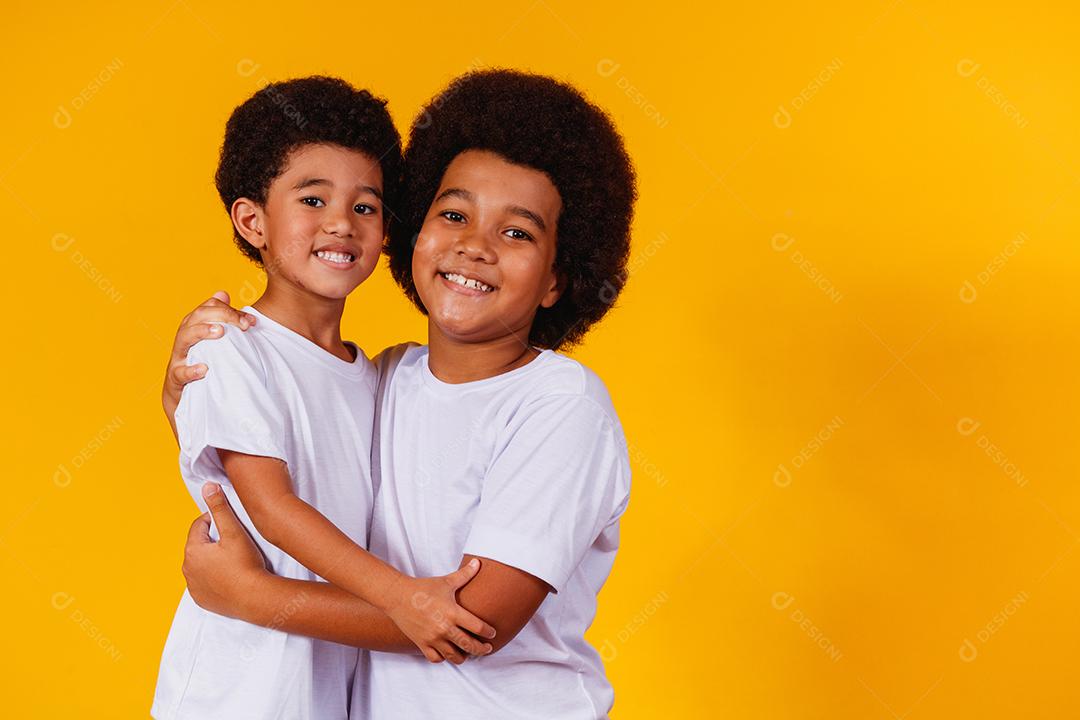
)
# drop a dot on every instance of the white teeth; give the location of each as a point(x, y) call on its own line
point(335, 256)
point(467, 282)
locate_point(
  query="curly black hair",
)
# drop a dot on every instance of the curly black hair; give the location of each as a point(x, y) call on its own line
point(283, 116)
point(542, 123)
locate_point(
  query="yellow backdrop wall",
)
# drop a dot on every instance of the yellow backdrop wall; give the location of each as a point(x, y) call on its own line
point(845, 359)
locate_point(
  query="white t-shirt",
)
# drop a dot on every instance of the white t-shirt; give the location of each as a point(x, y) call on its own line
point(271, 392)
point(529, 468)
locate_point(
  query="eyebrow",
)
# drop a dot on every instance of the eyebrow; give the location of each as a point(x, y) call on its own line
point(314, 181)
point(456, 193)
point(518, 210)
point(528, 215)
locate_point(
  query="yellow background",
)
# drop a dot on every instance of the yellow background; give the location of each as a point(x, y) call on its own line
point(845, 361)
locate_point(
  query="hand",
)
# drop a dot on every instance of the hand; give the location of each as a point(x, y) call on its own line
point(199, 324)
point(427, 611)
point(221, 574)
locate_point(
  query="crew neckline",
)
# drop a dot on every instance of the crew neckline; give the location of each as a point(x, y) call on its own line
point(442, 386)
point(356, 367)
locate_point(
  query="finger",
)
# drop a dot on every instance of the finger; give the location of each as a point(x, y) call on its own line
point(199, 532)
point(450, 652)
point(221, 295)
point(471, 645)
point(183, 374)
point(214, 310)
point(188, 335)
point(469, 622)
point(463, 574)
point(228, 525)
point(432, 656)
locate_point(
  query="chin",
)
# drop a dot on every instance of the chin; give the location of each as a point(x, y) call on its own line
point(333, 293)
point(453, 326)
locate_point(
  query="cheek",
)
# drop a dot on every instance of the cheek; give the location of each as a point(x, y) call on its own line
point(530, 272)
point(293, 230)
point(371, 238)
point(425, 250)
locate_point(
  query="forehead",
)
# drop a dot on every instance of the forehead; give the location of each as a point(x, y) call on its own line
point(495, 181)
point(332, 162)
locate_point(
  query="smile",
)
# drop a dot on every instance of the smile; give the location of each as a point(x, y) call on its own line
point(337, 258)
point(470, 283)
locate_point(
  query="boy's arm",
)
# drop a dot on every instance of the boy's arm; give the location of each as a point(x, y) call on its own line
point(229, 578)
point(424, 608)
point(506, 596)
point(202, 323)
point(558, 482)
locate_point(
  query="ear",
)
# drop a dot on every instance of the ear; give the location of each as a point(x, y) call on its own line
point(248, 219)
point(555, 291)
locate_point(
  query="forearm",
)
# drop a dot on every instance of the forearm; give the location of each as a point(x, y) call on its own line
point(307, 535)
point(169, 404)
point(323, 611)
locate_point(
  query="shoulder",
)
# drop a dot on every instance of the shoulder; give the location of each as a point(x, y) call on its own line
point(566, 391)
point(235, 349)
point(395, 356)
point(559, 377)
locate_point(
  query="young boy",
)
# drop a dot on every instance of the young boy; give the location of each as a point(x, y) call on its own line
point(513, 241)
point(283, 420)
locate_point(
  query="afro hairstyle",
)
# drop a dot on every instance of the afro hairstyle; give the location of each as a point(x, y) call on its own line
point(544, 124)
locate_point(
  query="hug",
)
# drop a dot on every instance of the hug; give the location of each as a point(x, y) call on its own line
point(422, 532)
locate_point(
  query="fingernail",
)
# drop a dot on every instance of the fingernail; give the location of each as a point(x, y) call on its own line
point(210, 489)
point(200, 371)
point(474, 563)
point(215, 329)
point(251, 319)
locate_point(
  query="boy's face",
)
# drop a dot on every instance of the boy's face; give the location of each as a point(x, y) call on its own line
point(321, 228)
point(484, 258)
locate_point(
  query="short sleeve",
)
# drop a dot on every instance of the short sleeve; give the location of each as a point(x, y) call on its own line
point(229, 409)
point(559, 478)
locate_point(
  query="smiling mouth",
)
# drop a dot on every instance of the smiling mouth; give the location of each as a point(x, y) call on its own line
point(467, 282)
point(340, 258)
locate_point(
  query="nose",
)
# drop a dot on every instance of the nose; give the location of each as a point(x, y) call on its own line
point(474, 245)
point(338, 222)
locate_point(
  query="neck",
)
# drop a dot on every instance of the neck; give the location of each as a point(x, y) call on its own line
point(316, 318)
point(453, 360)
